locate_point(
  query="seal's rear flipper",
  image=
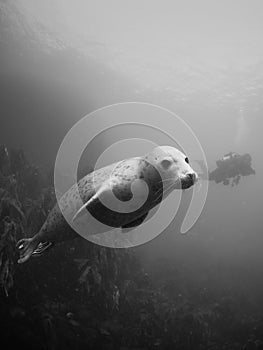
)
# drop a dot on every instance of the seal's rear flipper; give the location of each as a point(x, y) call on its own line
point(41, 248)
point(30, 246)
point(26, 247)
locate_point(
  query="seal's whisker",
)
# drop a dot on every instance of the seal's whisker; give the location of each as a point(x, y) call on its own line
point(169, 179)
point(173, 184)
point(198, 187)
point(161, 189)
point(167, 189)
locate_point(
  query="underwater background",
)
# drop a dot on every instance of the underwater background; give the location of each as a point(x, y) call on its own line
point(203, 60)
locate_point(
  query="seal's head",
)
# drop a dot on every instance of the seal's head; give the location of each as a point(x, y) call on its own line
point(173, 166)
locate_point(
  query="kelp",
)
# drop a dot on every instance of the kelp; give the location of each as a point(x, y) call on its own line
point(18, 190)
point(9, 229)
point(102, 274)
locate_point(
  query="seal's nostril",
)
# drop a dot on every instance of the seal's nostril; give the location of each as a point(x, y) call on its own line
point(192, 176)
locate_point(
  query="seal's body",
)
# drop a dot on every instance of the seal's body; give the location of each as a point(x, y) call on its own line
point(118, 195)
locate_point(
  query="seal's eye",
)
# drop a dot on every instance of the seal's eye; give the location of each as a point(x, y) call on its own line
point(166, 163)
point(187, 160)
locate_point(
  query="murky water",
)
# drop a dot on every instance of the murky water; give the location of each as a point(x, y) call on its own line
point(202, 290)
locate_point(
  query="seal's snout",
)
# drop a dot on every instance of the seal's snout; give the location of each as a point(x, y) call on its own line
point(192, 177)
point(189, 180)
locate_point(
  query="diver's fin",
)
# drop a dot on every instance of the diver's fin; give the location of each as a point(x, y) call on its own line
point(41, 248)
point(128, 227)
point(26, 247)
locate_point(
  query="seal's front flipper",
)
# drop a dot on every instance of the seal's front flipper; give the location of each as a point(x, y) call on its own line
point(91, 203)
point(103, 197)
point(26, 247)
point(128, 227)
point(82, 210)
point(41, 248)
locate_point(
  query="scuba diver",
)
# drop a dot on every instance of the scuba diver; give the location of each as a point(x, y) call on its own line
point(232, 166)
